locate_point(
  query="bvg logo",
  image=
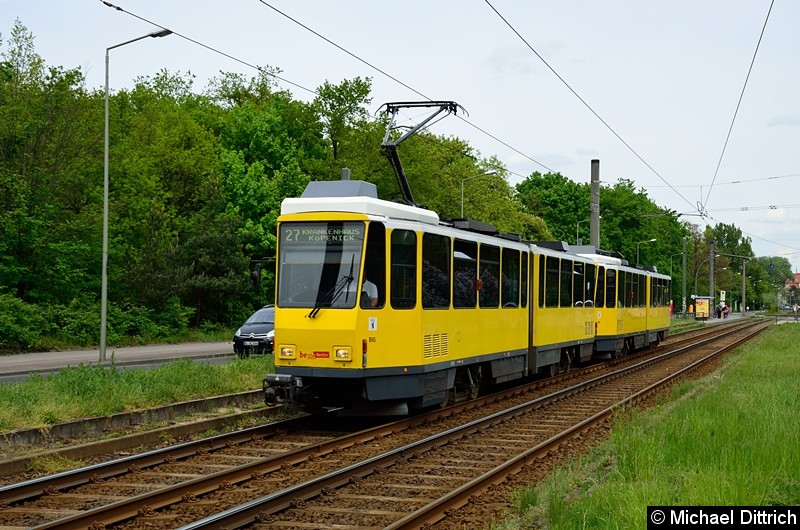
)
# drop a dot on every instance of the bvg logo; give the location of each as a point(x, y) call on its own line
point(315, 355)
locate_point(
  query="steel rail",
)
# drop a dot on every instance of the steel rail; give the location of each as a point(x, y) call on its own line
point(105, 470)
point(249, 512)
point(208, 483)
point(436, 510)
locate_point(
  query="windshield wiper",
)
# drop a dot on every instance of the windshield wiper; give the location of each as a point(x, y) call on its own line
point(335, 292)
point(350, 276)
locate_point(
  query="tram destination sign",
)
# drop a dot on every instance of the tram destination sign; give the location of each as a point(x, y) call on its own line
point(324, 234)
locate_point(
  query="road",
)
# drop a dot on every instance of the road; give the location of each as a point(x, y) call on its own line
point(17, 367)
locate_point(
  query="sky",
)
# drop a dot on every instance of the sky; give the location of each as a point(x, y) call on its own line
point(695, 101)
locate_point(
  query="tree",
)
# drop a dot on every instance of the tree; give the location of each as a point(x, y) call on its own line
point(561, 202)
point(728, 239)
point(269, 147)
point(341, 108)
point(48, 131)
point(628, 216)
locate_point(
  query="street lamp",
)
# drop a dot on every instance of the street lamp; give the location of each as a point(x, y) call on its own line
point(670, 261)
point(697, 271)
point(744, 273)
point(577, 226)
point(488, 173)
point(637, 247)
point(104, 287)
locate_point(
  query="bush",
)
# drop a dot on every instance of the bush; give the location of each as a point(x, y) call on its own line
point(25, 326)
point(175, 317)
point(21, 324)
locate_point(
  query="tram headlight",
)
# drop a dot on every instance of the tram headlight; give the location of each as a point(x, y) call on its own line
point(287, 351)
point(343, 353)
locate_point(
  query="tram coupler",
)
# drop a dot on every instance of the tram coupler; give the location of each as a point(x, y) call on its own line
point(278, 388)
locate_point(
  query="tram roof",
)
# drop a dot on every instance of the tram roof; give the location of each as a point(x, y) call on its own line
point(360, 205)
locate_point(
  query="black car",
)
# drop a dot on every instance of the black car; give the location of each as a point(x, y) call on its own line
point(257, 335)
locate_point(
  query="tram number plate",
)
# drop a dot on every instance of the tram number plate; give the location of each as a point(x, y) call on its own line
point(250, 343)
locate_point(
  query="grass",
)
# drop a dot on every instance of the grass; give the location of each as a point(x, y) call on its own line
point(729, 439)
point(90, 391)
point(679, 325)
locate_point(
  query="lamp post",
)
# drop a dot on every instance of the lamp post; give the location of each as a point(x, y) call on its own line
point(715, 290)
point(577, 227)
point(488, 173)
point(744, 278)
point(637, 247)
point(671, 275)
point(670, 261)
point(697, 271)
point(104, 281)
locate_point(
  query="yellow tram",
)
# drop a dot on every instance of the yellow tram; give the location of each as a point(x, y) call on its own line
point(382, 308)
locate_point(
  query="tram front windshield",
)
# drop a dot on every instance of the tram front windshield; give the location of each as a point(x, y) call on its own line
point(319, 264)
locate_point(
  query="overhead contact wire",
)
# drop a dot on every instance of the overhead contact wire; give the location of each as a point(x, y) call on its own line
point(396, 80)
point(739, 103)
point(631, 149)
point(215, 50)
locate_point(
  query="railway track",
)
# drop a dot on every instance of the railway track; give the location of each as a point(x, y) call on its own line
point(213, 483)
point(22, 449)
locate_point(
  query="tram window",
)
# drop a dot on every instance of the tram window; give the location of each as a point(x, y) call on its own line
point(524, 284)
point(404, 269)
point(375, 264)
point(551, 282)
point(465, 272)
point(566, 283)
point(435, 271)
point(621, 288)
point(600, 292)
point(611, 288)
point(630, 295)
point(510, 288)
point(652, 301)
point(632, 281)
point(653, 283)
point(542, 269)
point(590, 284)
point(655, 291)
point(490, 276)
point(641, 290)
point(578, 284)
point(315, 259)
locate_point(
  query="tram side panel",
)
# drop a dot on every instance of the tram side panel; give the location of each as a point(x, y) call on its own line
point(563, 312)
point(622, 324)
point(464, 324)
point(658, 313)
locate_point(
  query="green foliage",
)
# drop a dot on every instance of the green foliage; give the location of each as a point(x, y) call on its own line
point(265, 142)
point(556, 199)
point(20, 323)
point(341, 108)
point(628, 217)
point(46, 130)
